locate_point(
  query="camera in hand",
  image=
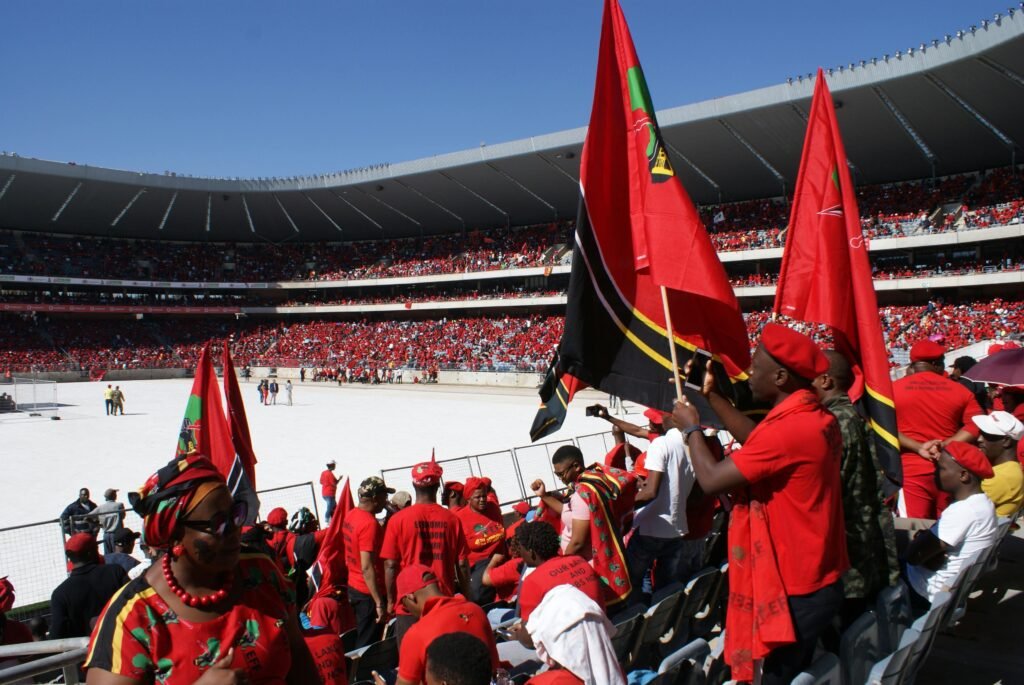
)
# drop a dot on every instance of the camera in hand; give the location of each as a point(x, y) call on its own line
point(698, 369)
point(594, 410)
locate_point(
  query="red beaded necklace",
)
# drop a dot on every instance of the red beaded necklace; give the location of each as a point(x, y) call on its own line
point(194, 602)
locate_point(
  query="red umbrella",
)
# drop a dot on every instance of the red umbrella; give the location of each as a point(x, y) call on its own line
point(1005, 367)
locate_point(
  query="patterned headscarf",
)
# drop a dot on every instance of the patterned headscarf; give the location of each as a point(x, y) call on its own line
point(171, 493)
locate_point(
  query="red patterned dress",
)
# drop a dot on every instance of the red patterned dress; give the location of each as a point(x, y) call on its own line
point(139, 636)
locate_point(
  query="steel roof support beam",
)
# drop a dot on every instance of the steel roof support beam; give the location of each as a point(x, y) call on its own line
point(575, 181)
point(396, 210)
point(248, 215)
point(167, 212)
point(696, 169)
point(901, 118)
point(1003, 138)
point(764, 162)
point(127, 207)
point(325, 214)
point(526, 190)
point(67, 201)
point(286, 214)
point(209, 206)
point(359, 211)
point(477, 196)
point(432, 201)
point(1000, 69)
point(10, 180)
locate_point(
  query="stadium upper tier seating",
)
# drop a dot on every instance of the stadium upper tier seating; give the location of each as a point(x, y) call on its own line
point(913, 208)
point(503, 343)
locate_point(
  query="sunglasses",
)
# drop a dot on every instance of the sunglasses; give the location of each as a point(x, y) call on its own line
point(218, 525)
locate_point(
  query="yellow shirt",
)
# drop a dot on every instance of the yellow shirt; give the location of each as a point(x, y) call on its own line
point(108, 394)
point(1006, 488)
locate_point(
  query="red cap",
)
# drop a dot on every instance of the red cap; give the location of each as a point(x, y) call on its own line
point(427, 473)
point(655, 416)
point(6, 595)
point(453, 485)
point(414, 578)
point(638, 465)
point(474, 484)
point(971, 458)
point(795, 351)
point(926, 351)
point(522, 508)
point(277, 517)
point(81, 543)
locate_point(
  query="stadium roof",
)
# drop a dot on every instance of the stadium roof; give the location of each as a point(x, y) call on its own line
point(950, 106)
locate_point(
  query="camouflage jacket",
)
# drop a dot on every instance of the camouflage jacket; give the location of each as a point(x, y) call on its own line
point(870, 537)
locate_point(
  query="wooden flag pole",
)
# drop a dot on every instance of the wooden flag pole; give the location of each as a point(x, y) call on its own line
point(672, 345)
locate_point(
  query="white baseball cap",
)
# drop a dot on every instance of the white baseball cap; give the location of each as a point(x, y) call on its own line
point(1000, 423)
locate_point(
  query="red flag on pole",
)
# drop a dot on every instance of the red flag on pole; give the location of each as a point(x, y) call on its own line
point(205, 428)
point(826, 276)
point(242, 476)
point(329, 569)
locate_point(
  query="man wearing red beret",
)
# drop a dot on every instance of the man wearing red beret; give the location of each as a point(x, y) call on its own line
point(787, 540)
point(930, 409)
point(77, 601)
point(936, 556)
point(425, 533)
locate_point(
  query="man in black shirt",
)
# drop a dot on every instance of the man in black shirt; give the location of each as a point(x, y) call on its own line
point(78, 601)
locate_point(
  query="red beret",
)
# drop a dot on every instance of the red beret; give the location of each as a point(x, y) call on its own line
point(971, 458)
point(6, 595)
point(453, 486)
point(426, 474)
point(795, 351)
point(473, 484)
point(278, 517)
point(412, 579)
point(81, 543)
point(926, 351)
point(655, 416)
point(522, 508)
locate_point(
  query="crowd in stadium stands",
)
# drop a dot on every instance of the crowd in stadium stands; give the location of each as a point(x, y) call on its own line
point(469, 343)
point(899, 209)
point(50, 255)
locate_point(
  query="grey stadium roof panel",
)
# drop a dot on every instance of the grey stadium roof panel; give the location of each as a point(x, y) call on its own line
point(951, 107)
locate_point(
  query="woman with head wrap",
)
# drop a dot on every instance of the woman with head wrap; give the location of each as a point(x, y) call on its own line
point(485, 535)
point(206, 613)
point(572, 635)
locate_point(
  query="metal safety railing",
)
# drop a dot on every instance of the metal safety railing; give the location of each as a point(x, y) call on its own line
point(64, 656)
point(511, 471)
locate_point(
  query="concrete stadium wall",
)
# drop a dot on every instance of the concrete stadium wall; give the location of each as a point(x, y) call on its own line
point(145, 374)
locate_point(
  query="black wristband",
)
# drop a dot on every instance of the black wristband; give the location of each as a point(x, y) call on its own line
point(690, 429)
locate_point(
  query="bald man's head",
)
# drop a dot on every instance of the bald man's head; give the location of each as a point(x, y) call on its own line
point(840, 370)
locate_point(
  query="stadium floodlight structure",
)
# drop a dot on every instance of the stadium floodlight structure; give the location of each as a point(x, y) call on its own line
point(34, 396)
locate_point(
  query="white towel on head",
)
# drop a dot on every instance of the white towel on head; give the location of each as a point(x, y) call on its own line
point(570, 629)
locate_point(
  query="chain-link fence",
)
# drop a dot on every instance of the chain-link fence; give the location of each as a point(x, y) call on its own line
point(32, 555)
point(511, 471)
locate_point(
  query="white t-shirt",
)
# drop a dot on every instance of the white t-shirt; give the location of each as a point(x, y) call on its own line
point(665, 515)
point(966, 526)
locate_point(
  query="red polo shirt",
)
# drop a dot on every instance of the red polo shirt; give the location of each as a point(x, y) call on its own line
point(426, 534)
point(931, 407)
point(558, 676)
point(570, 570)
point(791, 460)
point(362, 533)
point(442, 615)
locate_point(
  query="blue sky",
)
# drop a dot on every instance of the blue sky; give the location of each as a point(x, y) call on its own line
point(259, 88)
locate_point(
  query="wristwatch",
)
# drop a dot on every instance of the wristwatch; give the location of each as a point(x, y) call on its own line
point(689, 429)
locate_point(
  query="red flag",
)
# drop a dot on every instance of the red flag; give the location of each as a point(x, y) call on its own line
point(205, 428)
point(236, 416)
point(330, 570)
point(826, 276)
point(638, 231)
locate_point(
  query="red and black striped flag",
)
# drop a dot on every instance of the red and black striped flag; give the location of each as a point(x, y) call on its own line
point(826, 276)
point(637, 231)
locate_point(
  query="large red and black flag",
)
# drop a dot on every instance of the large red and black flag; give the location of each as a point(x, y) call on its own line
point(637, 231)
point(826, 276)
point(241, 476)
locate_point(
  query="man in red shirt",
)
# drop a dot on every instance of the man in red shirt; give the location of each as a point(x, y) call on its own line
point(539, 547)
point(930, 409)
point(425, 533)
point(363, 538)
point(787, 505)
point(437, 614)
point(329, 489)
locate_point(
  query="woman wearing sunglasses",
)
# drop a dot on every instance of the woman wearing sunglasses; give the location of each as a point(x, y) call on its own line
point(206, 613)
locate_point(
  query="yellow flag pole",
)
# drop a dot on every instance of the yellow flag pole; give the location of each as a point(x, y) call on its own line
point(672, 345)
